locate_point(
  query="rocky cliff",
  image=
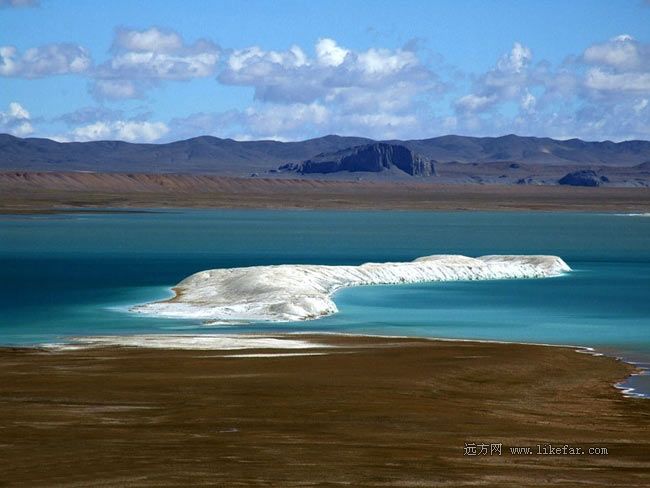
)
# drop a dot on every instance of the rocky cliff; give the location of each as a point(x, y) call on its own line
point(373, 158)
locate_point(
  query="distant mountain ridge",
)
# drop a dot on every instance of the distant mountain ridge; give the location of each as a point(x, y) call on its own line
point(212, 155)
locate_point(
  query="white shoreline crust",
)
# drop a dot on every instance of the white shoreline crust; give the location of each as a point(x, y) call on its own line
point(303, 292)
point(185, 341)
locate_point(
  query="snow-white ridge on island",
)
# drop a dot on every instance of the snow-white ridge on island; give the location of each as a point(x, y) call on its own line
point(292, 292)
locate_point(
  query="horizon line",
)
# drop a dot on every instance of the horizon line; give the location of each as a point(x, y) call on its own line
point(59, 141)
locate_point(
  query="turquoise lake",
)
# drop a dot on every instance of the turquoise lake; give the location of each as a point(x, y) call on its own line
point(73, 274)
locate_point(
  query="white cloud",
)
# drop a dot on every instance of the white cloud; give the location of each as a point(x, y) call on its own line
point(600, 80)
point(285, 119)
point(129, 130)
point(328, 53)
point(624, 120)
point(262, 121)
point(475, 103)
point(248, 66)
point(528, 102)
point(299, 121)
point(337, 89)
point(507, 81)
point(48, 60)
point(601, 94)
point(116, 89)
point(383, 62)
point(164, 66)
point(142, 58)
point(516, 60)
point(18, 111)
point(8, 62)
point(16, 120)
point(292, 77)
point(620, 118)
point(102, 123)
point(149, 40)
point(621, 52)
point(619, 67)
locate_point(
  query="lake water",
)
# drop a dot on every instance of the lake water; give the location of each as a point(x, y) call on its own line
point(76, 274)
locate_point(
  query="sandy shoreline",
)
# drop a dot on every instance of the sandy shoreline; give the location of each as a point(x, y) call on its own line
point(363, 411)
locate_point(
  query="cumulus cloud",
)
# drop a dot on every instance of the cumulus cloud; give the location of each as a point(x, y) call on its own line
point(16, 120)
point(369, 91)
point(292, 77)
point(620, 52)
point(158, 54)
point(104, 123)
point(625, 120)
point(117, 89)
point(278, 122)
point(507, 81)
point(48, 60)
point(619, 65)
point(602, 93)
point(516, 60)
point(129, 130)
point(262, 121)
point(298, 121)
point(303, 91)
point(142, 58)
point(149, 40)
point(329, 53)
point(139, 60)
point(475, 103)
point(600, 80)
point(613, 92)
point(528, 102)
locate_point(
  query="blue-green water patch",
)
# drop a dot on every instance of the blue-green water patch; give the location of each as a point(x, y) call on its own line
point(75, 274)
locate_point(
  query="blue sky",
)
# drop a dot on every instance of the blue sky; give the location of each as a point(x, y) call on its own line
point(288, 70)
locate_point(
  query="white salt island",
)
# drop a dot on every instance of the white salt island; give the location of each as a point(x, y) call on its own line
point(294, 292)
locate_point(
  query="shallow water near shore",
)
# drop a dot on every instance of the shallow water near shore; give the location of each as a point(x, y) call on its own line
point(76, 274)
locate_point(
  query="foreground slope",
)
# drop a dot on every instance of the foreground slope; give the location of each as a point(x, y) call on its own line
point(363, 412)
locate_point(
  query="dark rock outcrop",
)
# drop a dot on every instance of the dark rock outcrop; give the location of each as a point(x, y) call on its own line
point(583, 178)
point(526, 181)
point(373, 158)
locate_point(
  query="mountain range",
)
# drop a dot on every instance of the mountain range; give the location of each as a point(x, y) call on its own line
point(212, 155)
